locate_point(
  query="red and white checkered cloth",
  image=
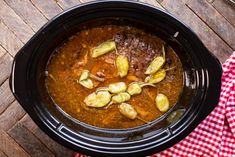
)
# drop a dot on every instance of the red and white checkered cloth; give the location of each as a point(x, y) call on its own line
point(214, 136)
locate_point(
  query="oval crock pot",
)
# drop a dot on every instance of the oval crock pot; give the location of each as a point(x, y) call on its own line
point(202, 80)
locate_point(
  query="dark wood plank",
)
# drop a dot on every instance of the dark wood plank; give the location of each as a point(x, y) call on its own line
point(2, 154)
point(9, 40)
point(214, 19)
point(2, 51)
point(10, 147)
point(65, 4)
point(212, 41)
point(56, 148)
point(152, 2)
point(6, 97)
point(30, 14)
point(27, 122)
point(225, 9)
point(5, 66)
point(29, 142)
point(11, 115)
point(48, 8)
point(18, 26)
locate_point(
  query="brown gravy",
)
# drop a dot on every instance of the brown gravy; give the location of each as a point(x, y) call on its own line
point(73, 56)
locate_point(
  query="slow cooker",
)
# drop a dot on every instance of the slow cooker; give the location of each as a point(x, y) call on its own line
point(201, 72)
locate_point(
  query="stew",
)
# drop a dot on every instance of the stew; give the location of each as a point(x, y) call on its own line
point(114, 77)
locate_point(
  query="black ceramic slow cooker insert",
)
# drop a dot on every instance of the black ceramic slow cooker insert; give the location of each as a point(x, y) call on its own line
point(202, 80)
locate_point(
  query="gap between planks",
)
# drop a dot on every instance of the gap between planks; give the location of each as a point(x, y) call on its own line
point(11, 115)
point(2, 51)
point(28, 141)
point(28, 12)
point(18, 25)
point(10, 147)
point(65, 4)
point(226, 9)
point(9, 41)
point(211, 40)
point(211, 29)
point(204, 10)
point(49, 12)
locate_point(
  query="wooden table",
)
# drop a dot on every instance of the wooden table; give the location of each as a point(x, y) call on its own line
point(212, 20)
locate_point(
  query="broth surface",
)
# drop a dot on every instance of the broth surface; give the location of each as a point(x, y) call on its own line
point(73, 56)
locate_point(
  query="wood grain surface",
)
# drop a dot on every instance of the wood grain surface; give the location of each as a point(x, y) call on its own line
point(6, 97)
point(225, 9)
point(2, 51)
point(212, 20)
point(10, 147)
point(28, 12)
point(9, 40)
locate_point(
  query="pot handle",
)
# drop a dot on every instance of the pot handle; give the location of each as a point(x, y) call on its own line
point(19, 72)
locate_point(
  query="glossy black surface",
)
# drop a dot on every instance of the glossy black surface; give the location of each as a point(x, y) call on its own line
point(202, 80)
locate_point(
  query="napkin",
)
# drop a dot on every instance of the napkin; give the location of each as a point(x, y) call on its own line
point(215, 135)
